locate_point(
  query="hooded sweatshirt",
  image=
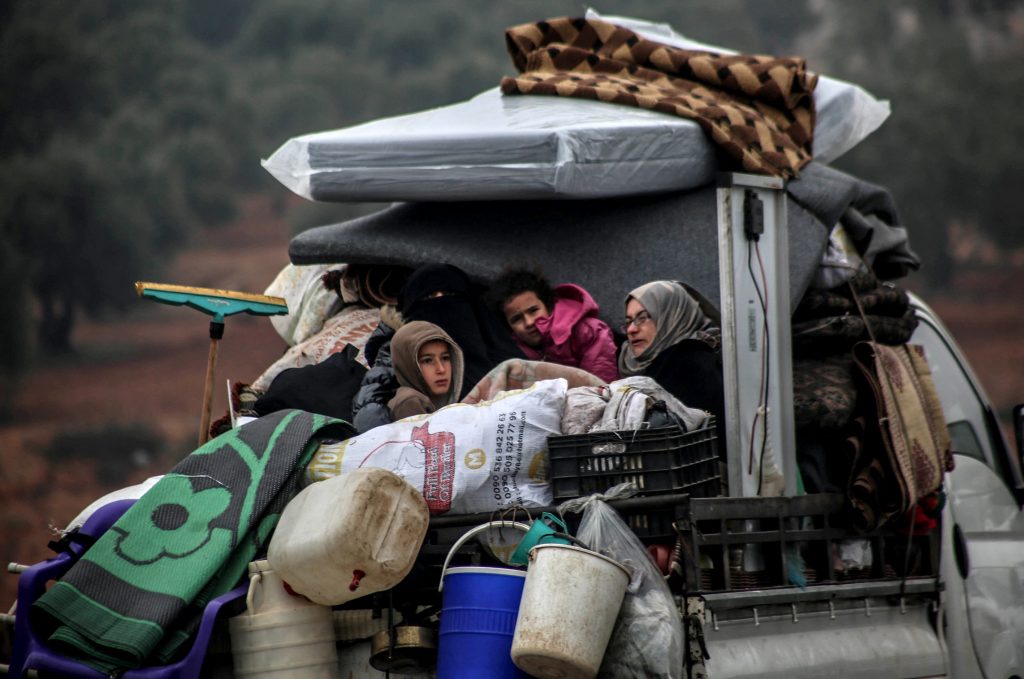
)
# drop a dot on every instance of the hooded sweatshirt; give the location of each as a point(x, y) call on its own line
point(461, 312)
point(413, 396)
point(573, 335)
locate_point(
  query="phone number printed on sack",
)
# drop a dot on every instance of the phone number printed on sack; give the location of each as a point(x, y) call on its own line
point(508, 457)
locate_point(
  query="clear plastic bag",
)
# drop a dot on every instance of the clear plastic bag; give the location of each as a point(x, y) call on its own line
point(648, 637)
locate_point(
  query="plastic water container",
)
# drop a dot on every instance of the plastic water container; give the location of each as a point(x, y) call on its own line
point(281, 635)
point(349, 536)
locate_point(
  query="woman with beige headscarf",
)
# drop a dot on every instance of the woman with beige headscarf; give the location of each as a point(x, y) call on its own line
point(428, 366)
point(672, 336)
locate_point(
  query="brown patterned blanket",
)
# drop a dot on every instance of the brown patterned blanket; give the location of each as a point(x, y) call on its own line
point(908, 446)
point(828, 322)
point(759, 109)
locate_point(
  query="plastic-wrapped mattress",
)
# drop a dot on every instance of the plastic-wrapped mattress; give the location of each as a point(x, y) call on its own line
point(493, 147)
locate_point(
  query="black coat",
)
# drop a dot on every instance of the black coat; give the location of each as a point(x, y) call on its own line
point(327, 388)
point(370, 404)
point(692, 372)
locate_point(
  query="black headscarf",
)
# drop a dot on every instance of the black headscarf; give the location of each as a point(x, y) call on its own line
point(462, 313)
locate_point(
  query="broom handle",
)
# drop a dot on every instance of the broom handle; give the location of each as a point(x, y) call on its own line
point(216, 332)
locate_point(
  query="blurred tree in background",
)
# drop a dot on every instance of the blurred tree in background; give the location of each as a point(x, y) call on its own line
point(950, 152)
point(128, 126)
point(118, 142)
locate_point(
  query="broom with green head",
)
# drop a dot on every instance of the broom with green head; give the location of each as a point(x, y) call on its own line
point(219, 304)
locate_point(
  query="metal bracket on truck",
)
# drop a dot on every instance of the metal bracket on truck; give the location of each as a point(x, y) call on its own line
point(753, 246)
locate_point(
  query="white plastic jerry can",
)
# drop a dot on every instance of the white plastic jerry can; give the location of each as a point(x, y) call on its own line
point(349, 536)
point(281, 635)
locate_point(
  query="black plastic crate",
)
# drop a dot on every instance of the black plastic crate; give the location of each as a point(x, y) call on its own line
point(716, 531)
point(658, 461)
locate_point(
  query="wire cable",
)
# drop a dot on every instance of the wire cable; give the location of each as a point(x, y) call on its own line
point(767, 363)
point(761, 412)
point(763, 389)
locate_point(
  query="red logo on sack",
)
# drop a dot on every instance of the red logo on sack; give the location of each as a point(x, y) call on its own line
point(438, 468)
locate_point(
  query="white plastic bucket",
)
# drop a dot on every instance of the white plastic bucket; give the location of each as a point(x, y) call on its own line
point(281, 635)
point(349, 536)
point(570, 602)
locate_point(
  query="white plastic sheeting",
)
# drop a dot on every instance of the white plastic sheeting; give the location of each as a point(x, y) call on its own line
point(845, 113)
point(493, 147)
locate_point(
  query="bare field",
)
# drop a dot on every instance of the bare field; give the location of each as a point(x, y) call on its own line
point(990, 331)
point(145, 369)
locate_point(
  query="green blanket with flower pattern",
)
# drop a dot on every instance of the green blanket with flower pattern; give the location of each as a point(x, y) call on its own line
point(138, 593)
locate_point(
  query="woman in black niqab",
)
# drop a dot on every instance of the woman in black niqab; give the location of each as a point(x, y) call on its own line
point(442, 294)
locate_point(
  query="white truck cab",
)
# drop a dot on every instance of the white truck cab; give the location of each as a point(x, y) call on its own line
point(982, 524)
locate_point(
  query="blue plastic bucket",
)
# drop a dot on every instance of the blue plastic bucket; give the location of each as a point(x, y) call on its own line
point(479, 608)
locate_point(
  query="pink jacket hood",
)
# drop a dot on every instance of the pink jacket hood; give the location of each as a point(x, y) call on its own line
point(573, 335)
point(573, 303)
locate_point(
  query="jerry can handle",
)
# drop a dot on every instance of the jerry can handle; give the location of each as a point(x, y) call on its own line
point(253, 580)
point(557, 520)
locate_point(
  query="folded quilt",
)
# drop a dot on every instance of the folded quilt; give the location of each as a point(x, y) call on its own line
point(824, 392)
point(759, 109)
point(829, 322)
point(838, 334)
point(137, 594)
point(518, 373)
point(876, 298)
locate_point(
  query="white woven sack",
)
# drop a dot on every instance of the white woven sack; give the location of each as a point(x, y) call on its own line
point(464, 458)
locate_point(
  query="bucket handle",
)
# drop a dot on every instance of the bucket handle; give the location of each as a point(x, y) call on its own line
point(476, 531)
point(564, 536)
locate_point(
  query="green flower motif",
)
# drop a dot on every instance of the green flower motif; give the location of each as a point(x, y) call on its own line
point(172, 521)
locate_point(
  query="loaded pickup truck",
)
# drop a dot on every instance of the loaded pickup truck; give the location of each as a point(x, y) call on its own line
point(956, 611)
point(612, 197)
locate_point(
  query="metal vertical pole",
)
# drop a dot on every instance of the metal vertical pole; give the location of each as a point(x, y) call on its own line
point(757, 361)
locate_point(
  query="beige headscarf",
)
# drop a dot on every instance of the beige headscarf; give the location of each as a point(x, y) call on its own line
point(679, 312)
point(405, 349)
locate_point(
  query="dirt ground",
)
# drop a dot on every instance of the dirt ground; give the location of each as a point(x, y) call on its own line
point(990, 332)
point(146, 369)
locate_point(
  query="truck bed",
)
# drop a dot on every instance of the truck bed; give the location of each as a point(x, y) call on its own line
point(878, 621)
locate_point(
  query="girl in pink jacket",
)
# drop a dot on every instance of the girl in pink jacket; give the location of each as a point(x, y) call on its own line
point(557, 324)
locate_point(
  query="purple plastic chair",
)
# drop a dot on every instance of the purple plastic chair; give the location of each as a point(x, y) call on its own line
point(31, 652)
